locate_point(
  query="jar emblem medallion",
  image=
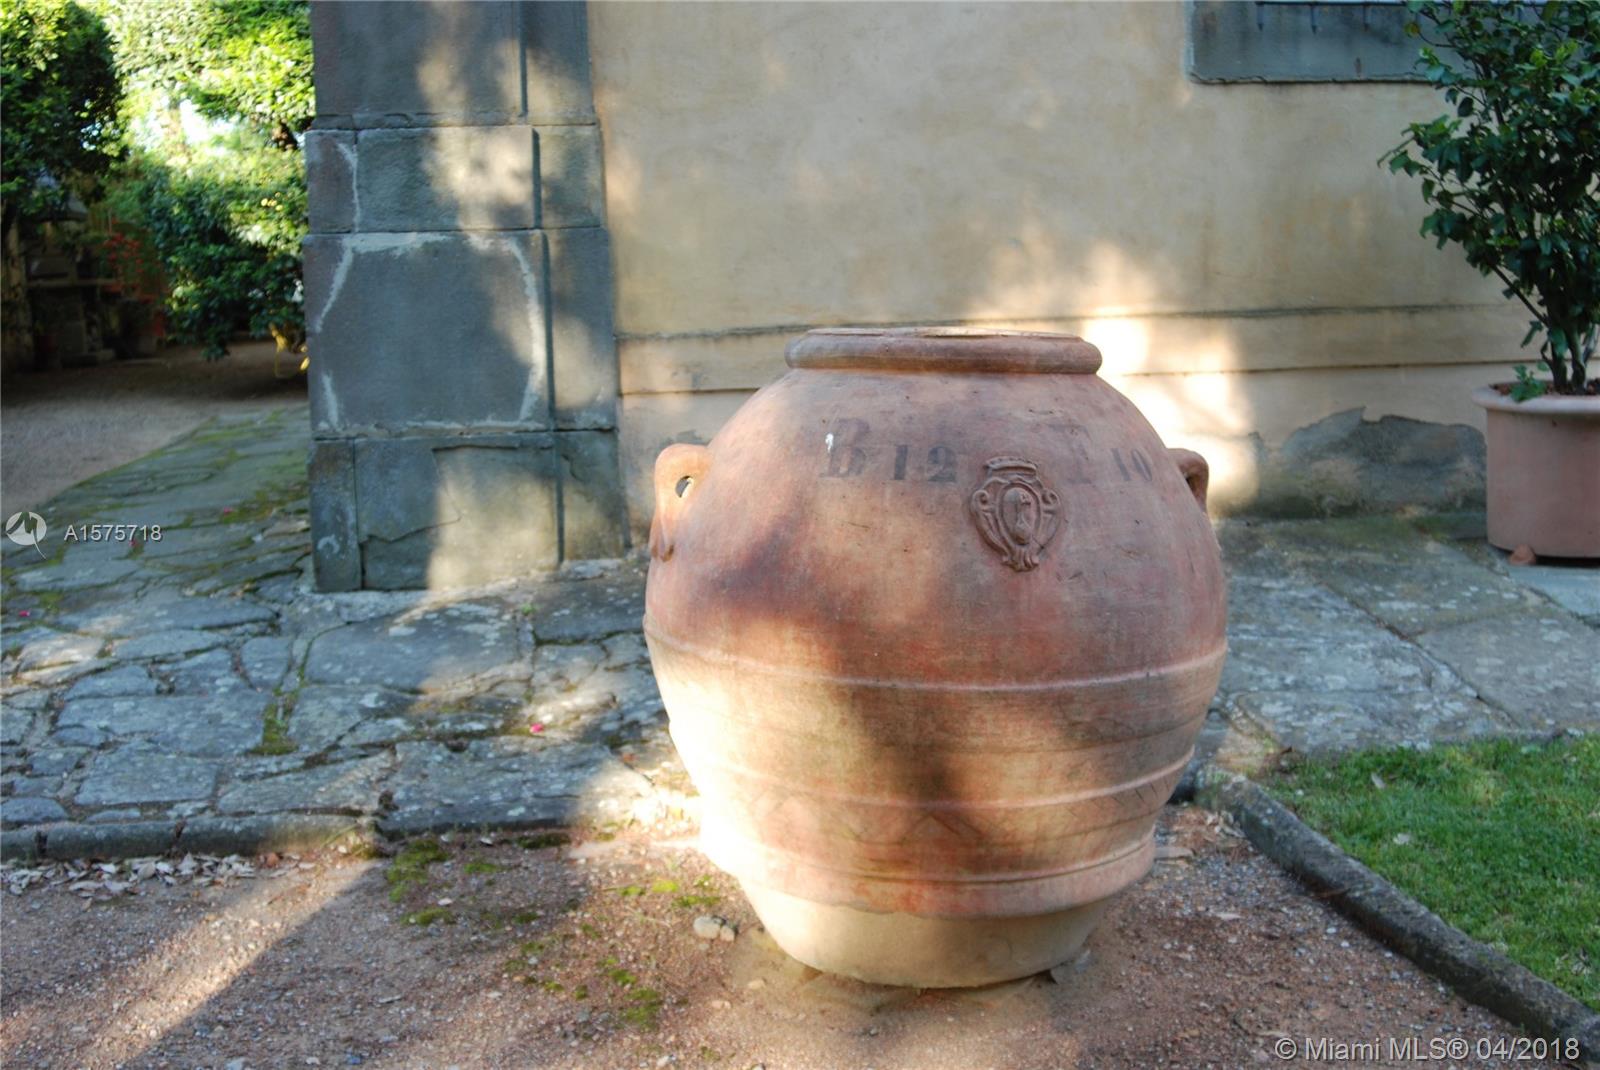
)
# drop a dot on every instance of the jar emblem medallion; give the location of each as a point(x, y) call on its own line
point(1015, 512)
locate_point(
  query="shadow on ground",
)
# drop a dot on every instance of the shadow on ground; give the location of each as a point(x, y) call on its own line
point(513, 951)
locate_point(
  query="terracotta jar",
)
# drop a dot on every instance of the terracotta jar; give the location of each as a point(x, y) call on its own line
point(936, 618)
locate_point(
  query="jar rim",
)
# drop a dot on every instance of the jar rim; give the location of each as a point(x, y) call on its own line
point(942, 349)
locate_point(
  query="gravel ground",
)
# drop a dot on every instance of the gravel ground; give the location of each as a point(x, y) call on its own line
point(59, 428)
point(517, 952)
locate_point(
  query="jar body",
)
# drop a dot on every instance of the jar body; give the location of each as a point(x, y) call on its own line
point(935, 639)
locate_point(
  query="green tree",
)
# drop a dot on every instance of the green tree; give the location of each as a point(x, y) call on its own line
point(1513, 175)
point(59, 93)
point(219, 92)
point(245, 61)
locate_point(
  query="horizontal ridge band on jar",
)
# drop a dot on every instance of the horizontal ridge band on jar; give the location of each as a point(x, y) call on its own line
point(936, 618)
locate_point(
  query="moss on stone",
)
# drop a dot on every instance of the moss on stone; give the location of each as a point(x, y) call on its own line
point(274, 733)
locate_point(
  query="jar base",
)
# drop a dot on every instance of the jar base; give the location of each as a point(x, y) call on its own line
point(920, 952)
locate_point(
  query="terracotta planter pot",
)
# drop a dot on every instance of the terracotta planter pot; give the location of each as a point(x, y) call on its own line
point(1543, 473)
point(936, 618)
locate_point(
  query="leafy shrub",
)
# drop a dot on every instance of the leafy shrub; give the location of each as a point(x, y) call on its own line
point(59, 90)
point(228, 236)
point(1512, 174)
point(223, 200)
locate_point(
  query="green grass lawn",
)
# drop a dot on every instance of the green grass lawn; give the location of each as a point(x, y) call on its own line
point(1501, 839)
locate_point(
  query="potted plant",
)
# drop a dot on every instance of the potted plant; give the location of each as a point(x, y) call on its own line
point(1511, 176)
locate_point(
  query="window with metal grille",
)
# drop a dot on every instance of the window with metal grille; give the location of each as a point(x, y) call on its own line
point(1300, 41)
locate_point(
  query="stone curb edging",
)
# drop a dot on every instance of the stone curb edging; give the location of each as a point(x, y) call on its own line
point(260, 833)
point(1474, 970)
point(282, 833)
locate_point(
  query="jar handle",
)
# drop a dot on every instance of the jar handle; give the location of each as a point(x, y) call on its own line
point(678, 468)
point(1196, 472)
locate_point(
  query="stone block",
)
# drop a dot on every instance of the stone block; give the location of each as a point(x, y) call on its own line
point(508, 783)
point(46, 647)
point(403, 564)
point(123, 680)
point(1423, 594)
point(571, 186)
point(21, 845)
point(451, 511)
point(1346, 463)
point(1575, 587)
point(55, 761)
point(265, 661)
point(330, 180)
point(17, 811)
point(211, 674)
point(426, 59)
point(335, 550)
point(167, 644)
point(324, 714)
point(133, 839)
point(399, 483)
point(593, 514)
point(556, 62)
point(461, 647)
point(1287, 633)
point(268, 832)
point(447, 178)
point(410, 331)
point(213, 725)
point(15, 725)
point(579, 611)
point(164, 609)
point(1320, 723)
point(345, 786)
point(145, 774)
point(1507, 659)
point(583, 341)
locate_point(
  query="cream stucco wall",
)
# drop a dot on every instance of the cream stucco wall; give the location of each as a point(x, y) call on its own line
point(1243, 263)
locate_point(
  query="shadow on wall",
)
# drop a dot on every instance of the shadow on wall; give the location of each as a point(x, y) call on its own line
point(913, 203)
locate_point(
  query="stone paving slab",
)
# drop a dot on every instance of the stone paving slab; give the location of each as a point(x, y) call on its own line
point(1425, 594)
point(1337, 721)
point(1542, 667)
point(1574, 587)
point(440, 648)
point(196, 689)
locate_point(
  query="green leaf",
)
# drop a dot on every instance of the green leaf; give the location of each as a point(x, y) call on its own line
point(1526, 386)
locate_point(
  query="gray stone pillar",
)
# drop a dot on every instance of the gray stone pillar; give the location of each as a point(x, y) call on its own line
point(458, 296)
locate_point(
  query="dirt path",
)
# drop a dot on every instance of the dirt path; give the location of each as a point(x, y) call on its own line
point(530, 955)
point(59, 428)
